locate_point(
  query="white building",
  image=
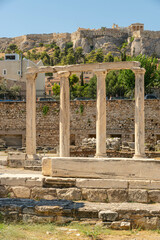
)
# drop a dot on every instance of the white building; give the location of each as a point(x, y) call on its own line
point(13, 70)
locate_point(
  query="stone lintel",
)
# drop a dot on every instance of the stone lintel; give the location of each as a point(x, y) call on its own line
point(85, 67)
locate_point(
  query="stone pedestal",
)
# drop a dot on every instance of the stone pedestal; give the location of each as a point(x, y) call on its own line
point(102, 168)
point(64, 128)
point(101, 114)
point(139, 114)
point(31, 115)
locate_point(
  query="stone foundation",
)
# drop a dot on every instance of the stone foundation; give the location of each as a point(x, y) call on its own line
point(77, 189)
point(115, 203)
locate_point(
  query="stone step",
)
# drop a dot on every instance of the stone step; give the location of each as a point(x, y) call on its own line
point(33, 163)
point(33, 168)
point(3, 161)
point(37, 186)
point(112, 215)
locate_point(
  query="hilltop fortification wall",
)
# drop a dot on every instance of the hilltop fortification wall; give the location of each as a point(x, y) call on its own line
point(91, 39)
point(146, 42)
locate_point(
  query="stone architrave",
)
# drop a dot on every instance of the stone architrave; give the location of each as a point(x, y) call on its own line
point(31, 115)
point(139, 113)
point(64, 128)
point(101, 114)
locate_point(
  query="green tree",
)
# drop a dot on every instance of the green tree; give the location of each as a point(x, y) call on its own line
point(41, 44)
point(45, 58)
point(3, 89)
point(28, 55)
point(95, 56)
point(79, 55)
point(82, 80)
point(70, 59)
point(111, 83)
point(122, 49)
point(13, 47)
point(56, 89)
point(73, 79)
point(56, 56)
point(126, 81)
point(99, 55)
point(53, 44)
point(68, 45)
point(150, 65)
point(14, 91)
point(157, 78)
point(109, 57)
point(92, 88)
point(91, 57)
point(120, 83)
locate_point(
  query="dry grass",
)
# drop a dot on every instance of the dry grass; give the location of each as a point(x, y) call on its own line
point(73, 231)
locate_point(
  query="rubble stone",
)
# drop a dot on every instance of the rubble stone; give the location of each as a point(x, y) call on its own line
point(108, 216)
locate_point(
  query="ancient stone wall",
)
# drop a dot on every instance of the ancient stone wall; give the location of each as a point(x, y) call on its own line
point(100, 32)
point(120, 120)
point(146, 42)
point(91, 39)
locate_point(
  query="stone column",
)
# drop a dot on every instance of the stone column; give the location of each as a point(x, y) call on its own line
point(139, 114)
point(31, 115)
point(64, 128)
point(101, 114)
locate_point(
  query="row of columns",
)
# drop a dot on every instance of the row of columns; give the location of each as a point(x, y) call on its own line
point(64, 140)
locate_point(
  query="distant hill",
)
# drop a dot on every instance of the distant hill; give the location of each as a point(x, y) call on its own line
point(108, 39)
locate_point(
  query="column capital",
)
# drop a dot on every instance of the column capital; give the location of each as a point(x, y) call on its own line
point(64, 74)
point(138, 70)
point(100, 71)
point(31, 76)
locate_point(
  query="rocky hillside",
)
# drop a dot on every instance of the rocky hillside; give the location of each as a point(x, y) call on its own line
point(145, 42)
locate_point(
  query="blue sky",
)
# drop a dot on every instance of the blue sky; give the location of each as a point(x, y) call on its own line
point(20, 17)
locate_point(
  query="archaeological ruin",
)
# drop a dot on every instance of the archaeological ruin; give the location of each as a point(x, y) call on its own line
point(64, 133)
point(110, 191)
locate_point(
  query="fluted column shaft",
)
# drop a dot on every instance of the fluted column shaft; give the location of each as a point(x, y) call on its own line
point(101, 114)
point(31, 115)
point(139, 114)
point(64, 128)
